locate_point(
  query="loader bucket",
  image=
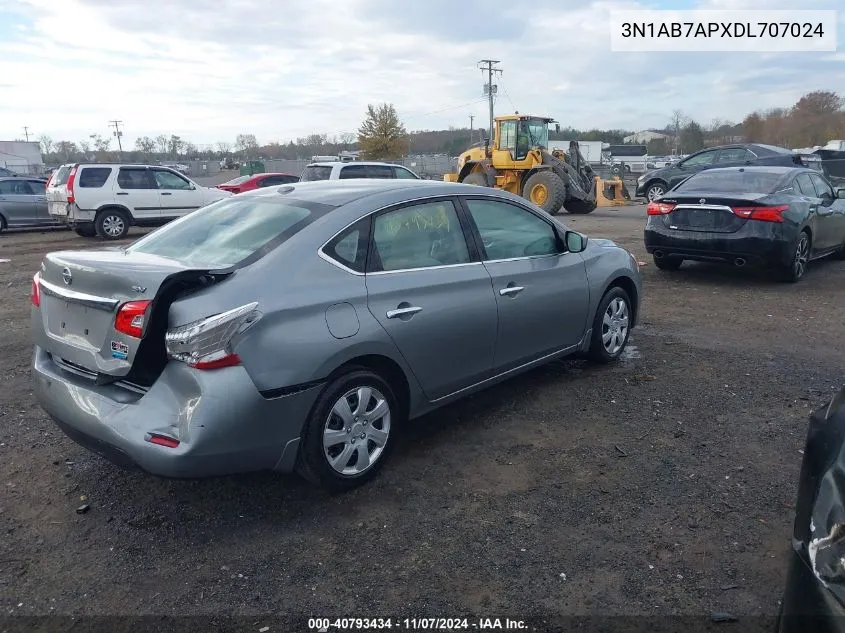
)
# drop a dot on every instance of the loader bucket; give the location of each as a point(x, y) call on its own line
point(611, 193)
point(450, 177)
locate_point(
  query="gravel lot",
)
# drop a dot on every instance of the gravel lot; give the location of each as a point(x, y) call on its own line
point(662, 485)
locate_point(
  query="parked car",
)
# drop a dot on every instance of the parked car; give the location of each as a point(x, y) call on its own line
point(195, 352)
point(105, 200)
point(814, 597)
point(7, 173)
point(23, 202)
point(653, 184)
point(782, 217)
point(358, 169)
point(248, 183)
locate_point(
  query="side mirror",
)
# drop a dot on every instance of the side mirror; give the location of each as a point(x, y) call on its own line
point(575, 242)
point(840, 193)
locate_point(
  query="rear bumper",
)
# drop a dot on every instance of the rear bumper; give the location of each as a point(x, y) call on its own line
point(758, 243)
point(224, 425)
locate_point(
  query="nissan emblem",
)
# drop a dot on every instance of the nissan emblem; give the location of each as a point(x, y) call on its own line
point(67, 277)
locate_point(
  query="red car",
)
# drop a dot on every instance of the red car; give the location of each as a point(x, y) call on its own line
point(248, 183)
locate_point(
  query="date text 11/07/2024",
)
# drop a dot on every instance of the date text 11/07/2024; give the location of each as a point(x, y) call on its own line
point(325, 625)
point(714, 30)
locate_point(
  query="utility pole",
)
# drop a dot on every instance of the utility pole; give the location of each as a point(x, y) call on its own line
point(117, 133)
point(490, 88)
point(26, 132)
point(471, 117)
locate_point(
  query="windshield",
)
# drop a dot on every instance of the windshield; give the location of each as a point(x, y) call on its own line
point(227, 232)
point(731, 182)
point(238, 180)
point(316, 172)
point(538, 132)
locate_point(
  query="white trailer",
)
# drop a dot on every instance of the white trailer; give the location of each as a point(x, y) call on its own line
point(590, 150)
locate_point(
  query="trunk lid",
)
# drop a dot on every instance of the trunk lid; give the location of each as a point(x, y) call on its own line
point(709, 212)
point(81, 293)
point(57, 194)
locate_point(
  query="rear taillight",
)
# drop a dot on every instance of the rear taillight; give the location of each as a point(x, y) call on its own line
point(35, 294)
point(764, 214)
point(71, 177)
point(207, 343)
point(660, 208)
point(131, 318)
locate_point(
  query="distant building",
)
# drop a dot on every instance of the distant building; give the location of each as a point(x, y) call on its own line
point(645, 136)
point(21, 156)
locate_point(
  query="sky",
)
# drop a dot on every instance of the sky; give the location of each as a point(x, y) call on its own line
point(282, 69)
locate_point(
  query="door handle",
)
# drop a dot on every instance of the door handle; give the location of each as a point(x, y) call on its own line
point(398, 312)
point(122, 193)
point(511, 290)
point(166, 193)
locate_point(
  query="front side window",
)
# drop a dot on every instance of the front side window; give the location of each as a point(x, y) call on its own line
point(419, 236)
point(734, 155)
point(169, 180)
point(822, 187)
point(39, 187)
point(510, 232)
point(704, 158)
point(228, 232)
point(135, 178)
point(15, 188)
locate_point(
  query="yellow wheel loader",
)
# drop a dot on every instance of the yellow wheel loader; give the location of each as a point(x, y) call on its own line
point(519, 162)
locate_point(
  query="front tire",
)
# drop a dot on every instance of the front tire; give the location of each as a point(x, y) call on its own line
point(654, 191)
point(579, 207)
point(611, 326)
point(112, 224)
point(795, 270)
point(476, 179)
point(348, 436)
point(546, 190)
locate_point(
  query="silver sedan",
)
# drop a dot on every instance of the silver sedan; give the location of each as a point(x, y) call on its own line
point(296, 327)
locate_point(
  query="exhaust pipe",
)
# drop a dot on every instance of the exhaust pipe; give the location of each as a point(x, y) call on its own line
point(658, 254)
point(739, 262)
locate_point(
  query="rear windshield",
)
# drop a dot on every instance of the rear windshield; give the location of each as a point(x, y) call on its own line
point(94, 176)
point(316, 172)
point(61, 176)
point(237, 181)
point(732, 182)
point(230, 231)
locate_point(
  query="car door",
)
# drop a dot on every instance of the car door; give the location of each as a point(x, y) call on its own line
point(432, 295)
point(17, 202)
point(541, 291)
point(136, 189)
point(39, 201)
point(692, 165)
point(178, 195)
point(829, 231)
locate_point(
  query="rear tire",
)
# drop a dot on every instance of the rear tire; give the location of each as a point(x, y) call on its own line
point(668, 263)
point(2, 224)
point(579, 207)
point(327, 436)
point(795, 270)
point(611, 326)
point(85, 230)
point(546, 190)
point(476, 179)
point(112, 224)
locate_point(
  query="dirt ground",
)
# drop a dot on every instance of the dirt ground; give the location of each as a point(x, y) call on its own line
point(663, 485)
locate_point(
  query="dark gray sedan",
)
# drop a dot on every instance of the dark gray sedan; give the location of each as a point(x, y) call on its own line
point(295, 327)
point(23, 202)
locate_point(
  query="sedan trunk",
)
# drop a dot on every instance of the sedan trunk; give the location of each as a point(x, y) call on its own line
point(708, 212)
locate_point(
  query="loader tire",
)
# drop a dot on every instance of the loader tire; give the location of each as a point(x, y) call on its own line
point(545, 189)
point(476, 179)
point(580, 207)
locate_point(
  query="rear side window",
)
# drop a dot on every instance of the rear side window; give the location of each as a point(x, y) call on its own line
point(316, 172)
point(39, 187)
point(135, 178)
point(733, 181)
point(401, 172)
point(93, 176)
point(366, 171)
point(60, 177)
point(269, 181)
point(231, 231)
point(350, 247)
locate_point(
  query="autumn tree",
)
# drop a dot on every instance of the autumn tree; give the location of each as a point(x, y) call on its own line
point(67, 150)
point(145, 145)
point(752, 128)
point(691, 138)
point(246, 143)
point(382, 136)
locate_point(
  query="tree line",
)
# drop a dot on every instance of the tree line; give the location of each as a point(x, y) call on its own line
point(814, 119)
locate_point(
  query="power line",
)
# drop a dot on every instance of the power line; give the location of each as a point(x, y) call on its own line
point(490, 88)
point(117, 133)
point(454, 107)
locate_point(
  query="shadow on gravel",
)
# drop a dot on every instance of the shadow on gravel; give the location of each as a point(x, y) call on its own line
point(746, 277)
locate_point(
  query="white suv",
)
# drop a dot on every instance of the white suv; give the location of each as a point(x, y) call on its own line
point(355, 169)
point(105, 200)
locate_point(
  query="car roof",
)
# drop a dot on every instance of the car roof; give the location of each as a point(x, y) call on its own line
point(351, 162)
point(760, 169)
point(342, 192)
point(21, 178)
point(272, 173)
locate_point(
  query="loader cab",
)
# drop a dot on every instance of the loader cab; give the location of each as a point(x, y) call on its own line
point(516, 135)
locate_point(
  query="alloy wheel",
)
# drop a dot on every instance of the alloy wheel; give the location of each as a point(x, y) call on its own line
point(614, 327)
point(802, 255)
point(113, 225)
point(356, 431)
point(655, 192)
